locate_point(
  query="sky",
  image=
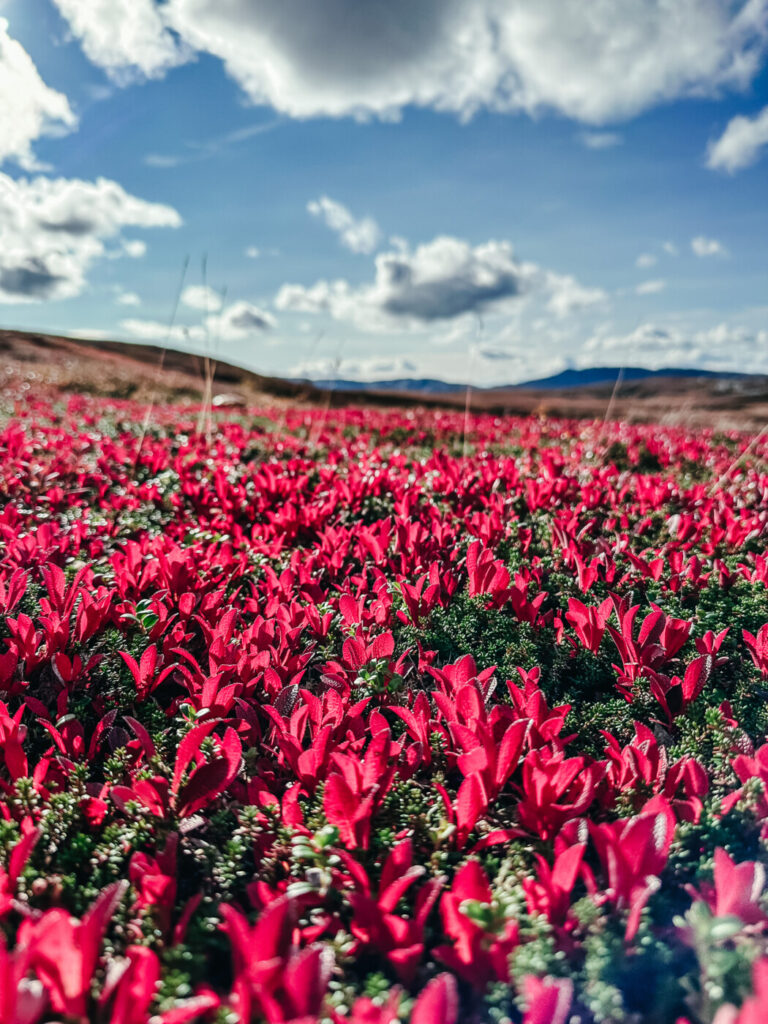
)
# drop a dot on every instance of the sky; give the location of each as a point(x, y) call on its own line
point(482, 191)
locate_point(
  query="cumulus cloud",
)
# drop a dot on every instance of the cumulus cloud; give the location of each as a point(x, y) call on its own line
point(741, 144)
point(355, 369)
point(447, 283)
point(135, 248)
point(28, 107)
point(127, 298)
point(722, 346)
point(649, 343)
point(253, 252)
point(236, 322)
point(591, 62)
point(703, 246)
point(128, 38)
point(200, 296)
point(650, 287)
point(601, 140)
point(567, 296)
point(241, 320)
point(358, 235)
point(155, 331)
point(53, 229)
point(645, 260)
point(439, 281)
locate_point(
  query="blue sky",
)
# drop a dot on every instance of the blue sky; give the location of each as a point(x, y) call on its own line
point(486, 189)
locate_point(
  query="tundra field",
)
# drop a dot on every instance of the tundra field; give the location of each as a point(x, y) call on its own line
point(353, 715)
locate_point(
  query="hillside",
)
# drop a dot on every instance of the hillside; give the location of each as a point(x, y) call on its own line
point(147, 373)
point(143, 372)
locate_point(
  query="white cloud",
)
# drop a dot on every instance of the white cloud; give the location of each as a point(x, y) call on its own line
point(53, 229)
point(649, 344)
point(645, 260)
point(437, 282)
point(127, 299)
point(650, 287)
point(445, 283)
point(87, 334)
point(360, 236)
point(200, 296)
point(596, 62)
point(741, 143)
point(601, 140)
point(703, 246)
point(134, 248)
point(253, 252)
point(154, 331)
point(540, 347)
point(723, 337)
point(237, 322)
point(723, 346)
point(28, 107)
point(569, 297)
point(162, 161)
point(497, 354)
point(670, 249)
point(536, 347)
point(355, 369)
point(127, 38)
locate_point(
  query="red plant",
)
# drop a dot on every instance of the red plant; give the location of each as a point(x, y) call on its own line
point(633, 853)
point(737, 889)
point(375, 923)
point(482, 938)
point(758, 649)
point(257, 668)
point(64, 953)
point(589, 623)
point(549, 1002)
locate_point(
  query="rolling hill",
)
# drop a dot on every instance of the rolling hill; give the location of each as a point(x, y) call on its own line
point(149, 373)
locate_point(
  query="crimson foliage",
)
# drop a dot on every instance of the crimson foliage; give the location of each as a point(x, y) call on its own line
point(376, 716)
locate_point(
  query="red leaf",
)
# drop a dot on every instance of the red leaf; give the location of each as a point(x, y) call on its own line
point(438, 1003)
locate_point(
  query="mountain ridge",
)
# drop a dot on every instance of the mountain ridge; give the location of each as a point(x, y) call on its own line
point(568, 378)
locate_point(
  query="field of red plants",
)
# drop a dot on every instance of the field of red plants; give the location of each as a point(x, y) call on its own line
point(371, 716)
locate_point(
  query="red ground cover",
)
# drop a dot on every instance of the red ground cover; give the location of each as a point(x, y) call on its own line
point(380, 716)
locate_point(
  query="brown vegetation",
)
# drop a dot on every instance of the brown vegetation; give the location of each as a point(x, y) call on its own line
point(148, 373)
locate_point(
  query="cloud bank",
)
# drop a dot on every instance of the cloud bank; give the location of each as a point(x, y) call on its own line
point(596, 63)
point(437, 283)
point(239, 321)
point(723, 346)
point(53, 229)
point(28, 107)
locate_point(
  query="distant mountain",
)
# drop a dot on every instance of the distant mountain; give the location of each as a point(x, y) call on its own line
point(609, 374)
point(594, 375)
